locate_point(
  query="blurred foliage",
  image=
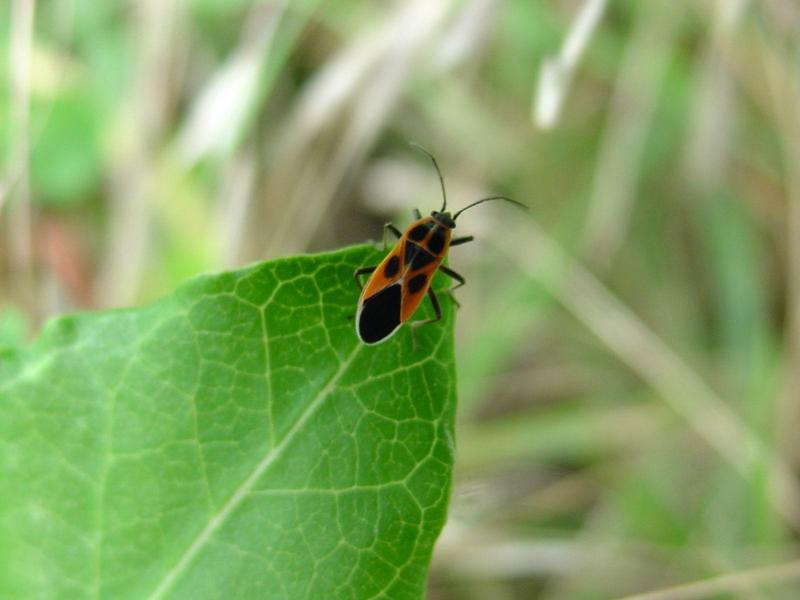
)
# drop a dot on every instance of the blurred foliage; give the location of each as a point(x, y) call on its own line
point(628, 357)
point(12, 328)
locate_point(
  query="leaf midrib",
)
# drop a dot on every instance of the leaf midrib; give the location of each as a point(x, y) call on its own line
point(240, 493)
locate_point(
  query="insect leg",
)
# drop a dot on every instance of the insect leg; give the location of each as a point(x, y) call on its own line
point(461, 240)
point(417, 214)
point(393, 229)
point(453, 275)
point(436, 309)
point(362, 271)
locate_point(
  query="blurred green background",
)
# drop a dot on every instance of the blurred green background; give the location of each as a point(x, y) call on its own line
point(628, 352)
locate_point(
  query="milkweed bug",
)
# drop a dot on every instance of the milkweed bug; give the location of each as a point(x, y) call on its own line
point(397, 285)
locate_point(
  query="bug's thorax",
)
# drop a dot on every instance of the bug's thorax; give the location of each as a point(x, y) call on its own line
point(430, 234)
point(445, 219)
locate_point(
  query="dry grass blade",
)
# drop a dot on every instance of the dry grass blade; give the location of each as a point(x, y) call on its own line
point(648, 356)
point(732, 583)
point(215, 123)
point(221, 107)
point(133, 182)
point(466, 36)
point(17, 186)
point(556, 73)
point(341, 112)
point(709, 149)
point(630, 118)
point(235, 204)
point(784, 88)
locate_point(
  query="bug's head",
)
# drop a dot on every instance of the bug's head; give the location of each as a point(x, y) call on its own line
point(444, 219)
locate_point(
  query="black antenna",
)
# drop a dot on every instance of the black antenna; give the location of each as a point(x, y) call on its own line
point(436, 166)
point(455, 216)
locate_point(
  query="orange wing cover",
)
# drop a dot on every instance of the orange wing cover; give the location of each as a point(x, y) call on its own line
point(410, 265)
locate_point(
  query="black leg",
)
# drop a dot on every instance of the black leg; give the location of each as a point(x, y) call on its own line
point(461, 240)
point(394, 230)
point(453, 275)
point(436, 309)
point(362, 271)
point(417, 214)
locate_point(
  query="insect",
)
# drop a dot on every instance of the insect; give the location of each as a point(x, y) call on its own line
point(397, 285)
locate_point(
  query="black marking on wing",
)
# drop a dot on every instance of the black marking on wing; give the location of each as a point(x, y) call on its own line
point(422, 259)
point(392, 267)
point(418, 233)
point(436, 241)
point(380, 315)
point(416, 283)
point(409, 252)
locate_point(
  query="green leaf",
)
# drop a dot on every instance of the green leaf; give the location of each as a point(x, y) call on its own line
point(233, 440)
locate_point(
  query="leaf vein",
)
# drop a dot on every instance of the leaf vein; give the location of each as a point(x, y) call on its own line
point(241, 492)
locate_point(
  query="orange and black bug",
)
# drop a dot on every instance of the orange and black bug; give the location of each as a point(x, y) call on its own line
point(397, 285)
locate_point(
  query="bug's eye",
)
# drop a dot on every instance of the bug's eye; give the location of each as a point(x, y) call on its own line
point(418, 233)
